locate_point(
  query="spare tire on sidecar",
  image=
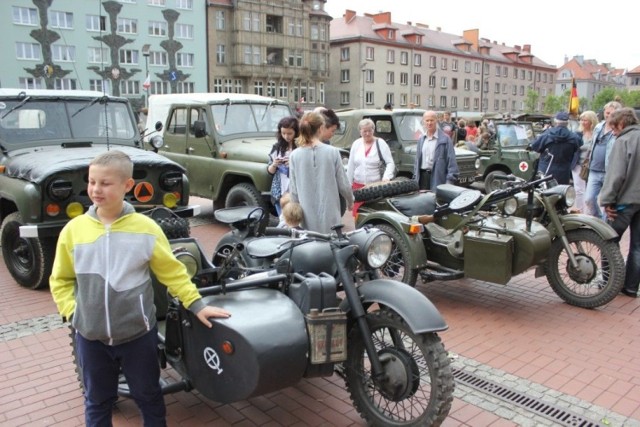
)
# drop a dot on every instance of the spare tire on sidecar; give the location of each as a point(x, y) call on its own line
point(380, 189)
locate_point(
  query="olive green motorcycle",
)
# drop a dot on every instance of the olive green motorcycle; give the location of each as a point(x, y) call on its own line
point(456, 233)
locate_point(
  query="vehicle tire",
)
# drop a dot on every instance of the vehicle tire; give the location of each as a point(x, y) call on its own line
point(601, 277)
point(400, 257)
point(28, 260)
point(419, 380)
point(174, 227)
point(378, 190)
point(491, 183)
point(245, 194)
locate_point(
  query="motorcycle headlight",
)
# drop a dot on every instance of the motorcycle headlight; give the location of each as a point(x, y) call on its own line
point(510, 206)
point(570, 196)
point(374, 246)
point(156, 141)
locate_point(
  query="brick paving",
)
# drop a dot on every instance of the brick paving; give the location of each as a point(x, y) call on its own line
point(520, 336)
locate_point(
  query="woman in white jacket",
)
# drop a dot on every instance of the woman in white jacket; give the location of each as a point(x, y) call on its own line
point(365, 158)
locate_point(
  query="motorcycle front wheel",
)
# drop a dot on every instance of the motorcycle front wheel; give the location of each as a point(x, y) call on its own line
point(416, 388)
point(600, 273)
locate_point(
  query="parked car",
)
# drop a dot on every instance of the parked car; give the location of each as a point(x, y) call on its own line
point(223, 140)
point(507, 154)
point(401, 129)
point(47, 139)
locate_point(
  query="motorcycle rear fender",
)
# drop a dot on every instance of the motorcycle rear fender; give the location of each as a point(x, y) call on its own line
point(414, 308)
point(401, 223)
point(576, 221)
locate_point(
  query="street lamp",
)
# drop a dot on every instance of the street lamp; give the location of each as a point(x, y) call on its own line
point(147, 81)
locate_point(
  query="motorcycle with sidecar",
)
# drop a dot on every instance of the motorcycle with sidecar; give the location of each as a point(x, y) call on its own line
point(288, 323)
point(455, 233)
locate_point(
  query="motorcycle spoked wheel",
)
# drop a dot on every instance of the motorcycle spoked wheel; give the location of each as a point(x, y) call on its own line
point(417, 389)
point(400, 256)
point(601, 276)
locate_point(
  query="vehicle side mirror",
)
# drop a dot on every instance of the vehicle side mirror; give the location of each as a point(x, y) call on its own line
point(199, 128)
point(158, 126)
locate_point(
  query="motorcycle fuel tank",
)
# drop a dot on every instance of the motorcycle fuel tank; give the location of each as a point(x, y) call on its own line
point(262, 347)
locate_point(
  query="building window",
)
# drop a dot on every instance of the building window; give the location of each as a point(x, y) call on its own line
point(30, 83)
point(220, 20)
point(368, 98)
point(157, 28)
point(129, 87)
point(97, 55)
point(505, 72)
point(497, 88)
point(127, 26)
point(344, 98)
point(496, 105)
point(443, 101)
point(403, 99)
point(391, 56)
point(514, 89)
point(184, 4)
point(315, 31)
point(476, 85)
point(515, 73)
point(432, 101)
point(417, 60)
point(58, 19)
point(63, 53)
point(184, 31)
point(158, 58)
point(390, 98)
point(390, 77)
point(258, 88)
point(467, 84)
point(417, 79)
point(95, 23)
point(521, 90)
point(487, 69)
point(283, 90)
point(161, 3)
point(443, 64)
point(251, 21)
point(454, 102)
point(369, 54)
point(432, 62)
point(417, 100)
point(228, 85)
point(271, 88)
point(454, 83)
point(476, 103)
point(391, 35)
point(185, 87)
point(28, 50)
point(217, 85)
point(443, 82)
point(184, 59)
point(344, 76)
point(238, 86)
point(369, 76)
point(65, 84)
point(128, 56)
point(465, 103)
point(404, 58)
point(220, 54)
point(295, 58)
point(24, 15)
point(476, 67)
point(467, 66)
point(454, 64)
point(404, 79)
point(432, 80)
point(344, 54)
point(99, 85)
point(498, 70)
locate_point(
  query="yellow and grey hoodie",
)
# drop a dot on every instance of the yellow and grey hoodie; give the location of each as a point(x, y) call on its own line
point(101, 275)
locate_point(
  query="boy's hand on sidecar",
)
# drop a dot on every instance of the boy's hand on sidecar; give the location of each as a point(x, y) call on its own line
point(210, 311)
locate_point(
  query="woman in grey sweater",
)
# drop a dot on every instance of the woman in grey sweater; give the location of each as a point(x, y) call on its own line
point(318, 178)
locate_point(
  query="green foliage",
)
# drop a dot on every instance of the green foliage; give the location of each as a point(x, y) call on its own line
point(531, 101)
point(553, 104)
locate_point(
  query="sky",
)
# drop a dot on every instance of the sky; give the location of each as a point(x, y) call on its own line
point(554, 29)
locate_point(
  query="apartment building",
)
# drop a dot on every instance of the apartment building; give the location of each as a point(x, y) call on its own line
point(375, 61)
point(278, 48)
point(108, 46)
point(590, 76)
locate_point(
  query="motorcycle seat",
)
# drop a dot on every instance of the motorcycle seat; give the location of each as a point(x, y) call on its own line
point(239, 214)
point(420, 203)
point(441, 236)
point(445, 193)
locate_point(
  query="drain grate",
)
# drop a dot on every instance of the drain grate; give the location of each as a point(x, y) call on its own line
point(556, 414)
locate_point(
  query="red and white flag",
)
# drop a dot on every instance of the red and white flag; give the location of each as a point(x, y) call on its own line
point(147, 82)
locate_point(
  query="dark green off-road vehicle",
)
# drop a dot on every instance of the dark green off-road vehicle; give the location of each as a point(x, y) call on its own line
point(507, 154)
point(47, 139)
point(223, 140)
point(401, 129)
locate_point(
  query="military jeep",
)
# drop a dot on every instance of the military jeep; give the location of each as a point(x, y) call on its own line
point(47, 139)
point(507, 154)
point(401, 129)
point(223, 140)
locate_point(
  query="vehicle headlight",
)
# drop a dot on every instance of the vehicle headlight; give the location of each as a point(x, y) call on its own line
point(510, 206)
point(60, 189)
point(570, 196)
point(374, 246)
point(156, 141)
point(477, 163)
point(170, 180)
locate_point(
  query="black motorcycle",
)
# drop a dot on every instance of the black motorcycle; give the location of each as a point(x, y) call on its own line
point(289, 323)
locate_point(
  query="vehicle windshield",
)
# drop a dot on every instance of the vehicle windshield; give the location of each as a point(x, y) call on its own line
point(514, 134)
point(233, 119)
point(410, 126)
point(44, 120)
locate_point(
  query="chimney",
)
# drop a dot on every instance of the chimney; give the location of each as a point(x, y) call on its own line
point(438, 29)
point(382, 18)
point(409, 23)
point(517, 47)
point(472, 36)
point(349, 15)
point(420, 25)
point(527, 48)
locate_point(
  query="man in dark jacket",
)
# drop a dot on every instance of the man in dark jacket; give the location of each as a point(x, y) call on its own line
point(560, 143)
point(435, 162)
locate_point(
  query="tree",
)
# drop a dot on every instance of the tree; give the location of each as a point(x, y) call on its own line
point(553, 104)
point(531, 102)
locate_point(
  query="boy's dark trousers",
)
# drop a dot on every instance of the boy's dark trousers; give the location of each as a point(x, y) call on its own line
point(101, 364)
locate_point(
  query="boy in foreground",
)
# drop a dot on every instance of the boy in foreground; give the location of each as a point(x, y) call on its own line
point(101, 283)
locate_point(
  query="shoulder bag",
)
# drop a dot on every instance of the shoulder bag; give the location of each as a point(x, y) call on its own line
point(382, 165)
